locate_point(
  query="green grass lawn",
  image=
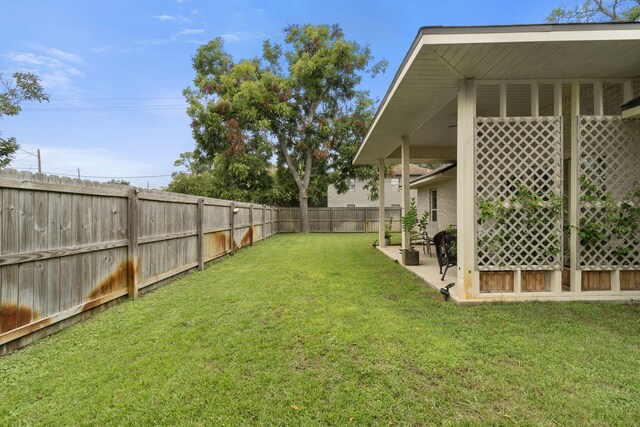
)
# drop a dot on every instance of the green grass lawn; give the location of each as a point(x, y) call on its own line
point(325, 330)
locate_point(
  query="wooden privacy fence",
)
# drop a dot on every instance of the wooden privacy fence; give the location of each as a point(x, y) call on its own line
point(337, 220)
point(68, 246)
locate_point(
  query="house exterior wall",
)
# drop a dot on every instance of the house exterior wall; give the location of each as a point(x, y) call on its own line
point(446, 195)
point(360, 196)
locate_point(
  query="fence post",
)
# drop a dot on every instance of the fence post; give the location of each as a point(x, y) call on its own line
point(330, 220)
point(264, 222)
point(251, 224)
point(132, 248)
point(232, 226)
point(200, 229)
point(366, 217)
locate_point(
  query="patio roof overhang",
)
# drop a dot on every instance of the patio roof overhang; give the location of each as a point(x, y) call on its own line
point(440, 174)
point(421, 102)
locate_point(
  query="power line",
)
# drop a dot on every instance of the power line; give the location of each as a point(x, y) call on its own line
point(117, 177)
point(28, 152)
point(114, 108)
point(112, 99)
point(21, 158)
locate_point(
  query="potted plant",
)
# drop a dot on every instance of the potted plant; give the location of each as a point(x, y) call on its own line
point(387, 231)
point(423, 224)
point(409, 221)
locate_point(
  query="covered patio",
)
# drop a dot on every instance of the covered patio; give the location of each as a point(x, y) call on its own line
point(547, 168)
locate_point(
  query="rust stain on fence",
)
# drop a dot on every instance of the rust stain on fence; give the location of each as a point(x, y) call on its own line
point(13, 316)
point(247, 237)
point(117, 279)
point(216, 243)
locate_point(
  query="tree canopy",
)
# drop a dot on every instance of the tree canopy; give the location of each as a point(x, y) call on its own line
point(598, 11)
point(299, 103)
point(14, 91)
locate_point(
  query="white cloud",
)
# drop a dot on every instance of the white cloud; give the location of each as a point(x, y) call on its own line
point(230, 37)
point(241, 36)
point(31, 59)
point(190, 31)
point(102, 49)
point(176, 37)
point(112, 49)
point(56, 68)
point(164, 17)
point(64, 56)
point(168, 18)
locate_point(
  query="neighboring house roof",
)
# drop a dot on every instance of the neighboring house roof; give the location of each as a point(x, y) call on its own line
point(440, 57)
point(442, 173)
point(413, 170)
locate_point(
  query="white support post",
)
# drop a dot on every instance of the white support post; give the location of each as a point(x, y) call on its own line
point(557, 99)
point(503, 99)
point(406, 238)
point(576, 275)
point(517, 281)
point(556, 281)
point(381, 217)
point(555, 277)
point(598, 99)
point(615, 280)
point(535, 100)
point(467, 285)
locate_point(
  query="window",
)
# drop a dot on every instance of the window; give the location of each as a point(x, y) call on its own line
point(349, 205)
point(395, 205)
point(433, 196)
point(352, 185)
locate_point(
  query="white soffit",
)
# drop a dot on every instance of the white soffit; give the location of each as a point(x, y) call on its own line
point(425, 87)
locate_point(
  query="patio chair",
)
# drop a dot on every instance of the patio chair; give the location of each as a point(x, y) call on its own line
point(445, 243)
point(424, 240)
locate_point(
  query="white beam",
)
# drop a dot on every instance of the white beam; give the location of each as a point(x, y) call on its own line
point(466, 285)
point(503, 99)
point(527, 35)
point(556, 276)
point(598, 102)
point(576, 275)
point(557, 99)
point(535, 100)
point(406, 237)
point(381, 216)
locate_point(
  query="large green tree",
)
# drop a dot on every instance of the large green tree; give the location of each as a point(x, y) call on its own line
point(598, 11)
point(13, 92)
point(300, 99)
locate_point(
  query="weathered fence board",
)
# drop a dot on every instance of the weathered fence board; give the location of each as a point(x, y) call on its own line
point(337, 220)
point(68, 246)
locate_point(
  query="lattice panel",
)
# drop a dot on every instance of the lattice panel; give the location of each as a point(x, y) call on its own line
point(512, 154)
point(609, 169)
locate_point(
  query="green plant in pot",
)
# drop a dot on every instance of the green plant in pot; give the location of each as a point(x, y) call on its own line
point(387, 231)
point(409, 222)
point(423, 224)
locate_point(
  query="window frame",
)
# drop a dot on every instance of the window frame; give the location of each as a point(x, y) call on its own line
point(433, 205)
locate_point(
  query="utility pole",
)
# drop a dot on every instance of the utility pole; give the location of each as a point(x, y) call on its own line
point(39, 162)
point(78, 173)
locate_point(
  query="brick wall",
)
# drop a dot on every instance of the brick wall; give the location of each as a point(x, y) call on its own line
point(447, 212)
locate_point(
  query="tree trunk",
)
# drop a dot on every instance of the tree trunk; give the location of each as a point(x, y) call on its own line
point(304, 212)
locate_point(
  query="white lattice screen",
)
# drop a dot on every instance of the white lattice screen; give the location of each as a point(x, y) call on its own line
point(512, 154)
point(609, 169)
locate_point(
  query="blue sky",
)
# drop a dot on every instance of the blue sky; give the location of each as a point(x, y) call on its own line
point(115, 70)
